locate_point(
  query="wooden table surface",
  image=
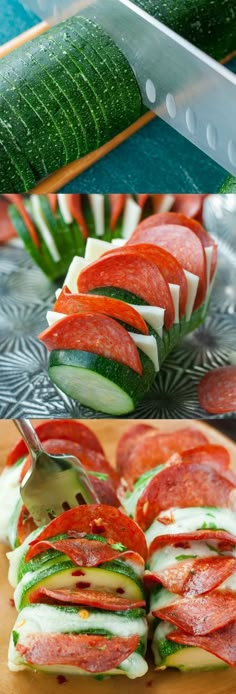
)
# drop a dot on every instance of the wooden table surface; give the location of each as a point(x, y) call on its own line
point(168, 682)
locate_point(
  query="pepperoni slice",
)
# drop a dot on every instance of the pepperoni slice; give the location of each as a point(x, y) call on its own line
point(25, 525)
point(117, 203)
point(69, 429)
point(217, 390)
point(88, 652)
point(81, 551)
point(96, 333)
point(90, 598)
point(52, 197)
point(226, 541)
point(202, 614)
point(18, 201)
point(105, 491)
point(76, 209)
point(155, 448)
point(184, 485)
point(107, 521)
point(165, 262)
point(189, 205)
point(221, 643)
point(79, 303)
point(210, 454)
point(7, 230)
point(195, 576)
point(127, 442)
point(182, 220)
point(131, 272)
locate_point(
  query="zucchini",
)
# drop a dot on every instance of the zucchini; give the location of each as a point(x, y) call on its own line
point(184, 658)
point(228, 185)
point(100, 383)
point(64, 95)
point(209, 25)
point(109, 577)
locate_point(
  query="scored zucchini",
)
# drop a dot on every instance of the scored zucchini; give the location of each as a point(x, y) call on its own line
point(63, 96)
point(209, 25)
point(100, 383)
point(229, 185)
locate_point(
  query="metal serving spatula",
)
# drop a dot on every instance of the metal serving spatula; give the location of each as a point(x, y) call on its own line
point(53, 483)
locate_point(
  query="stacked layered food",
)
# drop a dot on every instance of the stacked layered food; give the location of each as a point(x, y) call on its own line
point(122, 310)
point(180, 491)
point(80, 582)
point(54, 228)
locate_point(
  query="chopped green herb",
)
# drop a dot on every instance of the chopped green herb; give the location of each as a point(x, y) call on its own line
point(213, 549)
point(119, 547)
point(99, 475)
point(208, 526)
point(15, 637)
point(186, 556)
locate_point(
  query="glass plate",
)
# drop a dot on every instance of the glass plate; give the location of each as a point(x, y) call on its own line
point(26, 294)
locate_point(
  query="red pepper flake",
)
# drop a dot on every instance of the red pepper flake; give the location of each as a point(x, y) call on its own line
point(120, 591)
point(82, 584)
point(149, 683)
point(98, 527)
point(61, 679)
point(78, 572)
point(182, 545)
point(11, 601)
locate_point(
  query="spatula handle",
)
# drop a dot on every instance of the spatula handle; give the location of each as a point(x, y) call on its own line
point(29, 435)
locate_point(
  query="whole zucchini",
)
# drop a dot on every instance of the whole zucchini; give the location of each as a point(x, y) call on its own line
point(210, 26)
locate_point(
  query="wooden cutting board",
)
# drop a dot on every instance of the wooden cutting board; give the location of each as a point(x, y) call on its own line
point(168, 682)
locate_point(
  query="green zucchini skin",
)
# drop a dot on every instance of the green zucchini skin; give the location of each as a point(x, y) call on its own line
point(65, 94)
point(123, 378)
point(228, 186)
point(211, 26)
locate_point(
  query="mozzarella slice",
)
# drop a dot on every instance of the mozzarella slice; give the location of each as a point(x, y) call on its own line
point(192, 284)
point(118, 242)
point(54, 317)
point(132, 216)
point(208, 253)
point(95, 248)
point(64, 208)
point(147, 344)
point(75, 268)
point(43, 228)
point(166, 203)
point(153, 315)
point(175, 290)
point(97, 204)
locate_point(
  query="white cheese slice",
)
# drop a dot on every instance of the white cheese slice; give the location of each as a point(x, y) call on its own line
point(175, 291)
point(187, 520)
point(147, 344)
point(64, 208)
point(95, 248)
point(153, 315)
point(118, 242)
point(192, 284)
point(9, 497)
point(43, 228)
point(97, 202)
point(208, 253)
point(58, 292)
point(54, 317)
point(75, 268)
point(132, 216)
point(166, 203)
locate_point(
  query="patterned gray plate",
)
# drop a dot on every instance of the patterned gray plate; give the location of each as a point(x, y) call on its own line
point(26, 294)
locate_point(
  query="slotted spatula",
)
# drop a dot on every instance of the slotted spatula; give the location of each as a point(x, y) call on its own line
point(53, 484)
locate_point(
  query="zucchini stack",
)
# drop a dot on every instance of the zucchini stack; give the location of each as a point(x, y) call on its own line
point(185, 507)
point(58, 437)
point(123, 309)
point(80, 596)
point(54, 228)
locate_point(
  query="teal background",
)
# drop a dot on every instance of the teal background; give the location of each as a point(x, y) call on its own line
point(156, 159)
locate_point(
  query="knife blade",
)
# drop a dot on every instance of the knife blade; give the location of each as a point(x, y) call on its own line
point(186, 88)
